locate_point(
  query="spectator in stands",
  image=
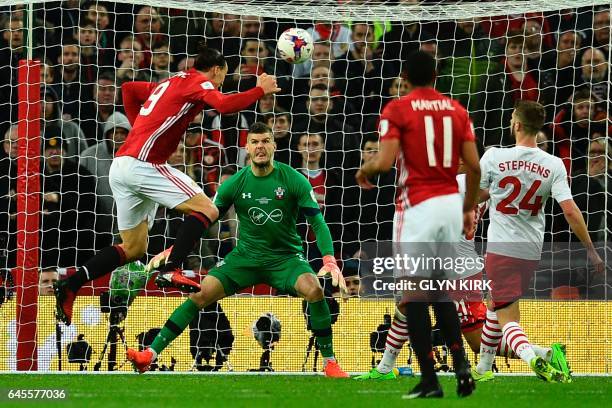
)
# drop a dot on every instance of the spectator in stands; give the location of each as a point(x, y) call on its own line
point(558, 72)
point(130, 58)
point(358, 73)
point(594, 72)
point(533, 47)
point(97, 111)
point(230, 131)
point(204, 158)
point(67, 225)
point(72, 91)
point(321, 55)
point(251, 27)
point(98, 13)
point(160, 61)
point(338, 35)
point(46, 279)
point(323, 75)
point(325, 186)
point(589, 189)
point(8, 194)
point(74, 139)
point(185, 64)
point(341, 140)
point(500, 91)
point(463, 63)
point(47, 73)
point(97, 160)
point(265, 105)
point(377, 205)
point(254, 60)
point(92, 57)
point(280, 123)
point(223, 34)
point(397, 88)
point(542, 141)
point(148, 27)
point(574, 126)
point(399, 42)
point(13, 35)
point(601, 31)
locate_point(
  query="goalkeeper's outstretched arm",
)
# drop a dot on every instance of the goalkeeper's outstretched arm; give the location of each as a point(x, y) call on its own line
point(321, 230)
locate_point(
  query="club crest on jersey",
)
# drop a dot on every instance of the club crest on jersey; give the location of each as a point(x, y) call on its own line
point(279, 193)
point(207, 85)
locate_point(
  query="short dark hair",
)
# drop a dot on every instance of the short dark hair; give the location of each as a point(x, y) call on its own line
point(228, 170)
point(86, 22)
point(369, 137)
point(107, 74)
point(319, 87)
point(277, 113)
point(208, 58)
point(531, 114)
point(160, 44)
point(260, 128)
point(420, 68)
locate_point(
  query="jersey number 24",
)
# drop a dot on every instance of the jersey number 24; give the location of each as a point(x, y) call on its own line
point(505, 206)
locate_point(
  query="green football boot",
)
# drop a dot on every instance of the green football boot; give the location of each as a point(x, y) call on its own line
point(486, 376)
point(559, 360)
point(545, 371)
point(374, 374)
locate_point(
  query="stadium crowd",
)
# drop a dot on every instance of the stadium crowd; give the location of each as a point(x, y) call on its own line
point(324, 120)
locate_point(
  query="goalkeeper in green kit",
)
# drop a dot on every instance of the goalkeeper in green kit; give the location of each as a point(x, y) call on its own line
point(268, 196)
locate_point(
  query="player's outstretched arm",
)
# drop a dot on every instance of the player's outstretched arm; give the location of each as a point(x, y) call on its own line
point(266, 84)
point(382, 163)
point(574, 218)
point(135, 94)
point(471, 163)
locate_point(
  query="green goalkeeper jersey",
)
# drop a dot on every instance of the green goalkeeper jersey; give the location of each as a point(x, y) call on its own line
point(267, 208)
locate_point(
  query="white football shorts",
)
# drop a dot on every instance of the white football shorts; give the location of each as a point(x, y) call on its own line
point(140, 187)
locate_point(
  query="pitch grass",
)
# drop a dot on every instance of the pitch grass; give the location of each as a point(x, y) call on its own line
point(272, 391)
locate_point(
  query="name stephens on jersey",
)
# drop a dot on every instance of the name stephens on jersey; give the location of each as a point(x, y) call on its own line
point(514, 165)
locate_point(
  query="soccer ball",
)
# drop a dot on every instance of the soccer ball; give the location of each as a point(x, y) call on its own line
point(295, 45)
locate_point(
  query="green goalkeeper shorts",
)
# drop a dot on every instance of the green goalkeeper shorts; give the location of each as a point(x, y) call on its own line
point(237, 271)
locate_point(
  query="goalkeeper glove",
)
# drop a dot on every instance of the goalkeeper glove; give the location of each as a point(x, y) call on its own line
point(330, 267)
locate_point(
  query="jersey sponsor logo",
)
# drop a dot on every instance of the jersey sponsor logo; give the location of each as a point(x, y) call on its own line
point(246, 195)
point(263, 200)
point(260, 217)
point(383, 127)
point(207, 85)
point(220, 264)
point(279, 193)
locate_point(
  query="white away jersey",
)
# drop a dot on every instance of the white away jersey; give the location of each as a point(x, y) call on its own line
point(520, 179)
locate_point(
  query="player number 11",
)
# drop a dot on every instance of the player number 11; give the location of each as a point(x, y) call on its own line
point(447, 136)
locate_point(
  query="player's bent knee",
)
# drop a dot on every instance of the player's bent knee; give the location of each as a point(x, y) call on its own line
point(134, 250)
point(313, 293)
point(211, 291)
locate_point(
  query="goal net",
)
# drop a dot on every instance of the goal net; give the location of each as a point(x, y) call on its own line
point(62, 119)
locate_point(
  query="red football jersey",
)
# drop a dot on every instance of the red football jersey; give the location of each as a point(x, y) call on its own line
point(431, 129)
point(168, 108)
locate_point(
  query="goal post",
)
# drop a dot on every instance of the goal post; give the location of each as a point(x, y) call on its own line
point(67, 88)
